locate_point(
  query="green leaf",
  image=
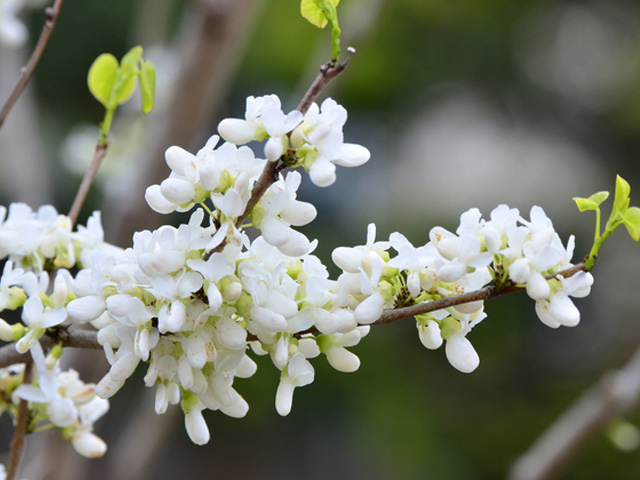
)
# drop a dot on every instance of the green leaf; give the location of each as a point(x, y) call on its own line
point(599, 197)
point(131, 59)
point(585, 204)
point(102, 76)
point(147, 86)
point(312, 11)
point(124, 86)
point(632, 222)
point(621, 201)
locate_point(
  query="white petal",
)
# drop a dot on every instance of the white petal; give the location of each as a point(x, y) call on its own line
point(284, 396)
point(343, 360)
point(178, 158)
point(564, 311)
point(322, 172)
point(352, 155)
point(196, 427)
point(177, 190)
point(157, 201)
point(88, 445)
point(86, 309)
point(461, 354)
point(236, 131)
point(537, 286)
point(369, 309)
point(430, 335)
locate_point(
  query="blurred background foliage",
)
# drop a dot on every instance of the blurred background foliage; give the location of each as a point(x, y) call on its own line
point(463, 103)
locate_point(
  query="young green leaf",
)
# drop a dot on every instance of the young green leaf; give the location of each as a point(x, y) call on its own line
point(599, 197)
point(632, 222)
point(124, 86)
point(147, 85)
point(585, 204)
point(621, 199)
point(131, 59)
point(313, 12)
point(102, 76)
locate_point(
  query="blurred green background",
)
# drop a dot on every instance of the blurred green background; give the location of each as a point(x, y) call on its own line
point(463, 104)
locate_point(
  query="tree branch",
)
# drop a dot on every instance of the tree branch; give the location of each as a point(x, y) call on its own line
point(615, 394)
point(19, 442)
point(27, 71)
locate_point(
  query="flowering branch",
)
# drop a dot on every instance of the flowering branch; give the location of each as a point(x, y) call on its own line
point(614, 395)
point(26, 71)
point(269, 175)
point(79, 338)
point(18, 443)
point(487, 293)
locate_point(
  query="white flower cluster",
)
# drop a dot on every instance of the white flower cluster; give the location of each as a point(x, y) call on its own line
point(33, 245)
point(191, 302)
point(63, 400)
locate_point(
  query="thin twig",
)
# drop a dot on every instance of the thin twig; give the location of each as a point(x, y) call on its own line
point(87, 180)
point(18, 443)
point(615, 394)
point(328, 72)
point(269, 175)
point(27, 71)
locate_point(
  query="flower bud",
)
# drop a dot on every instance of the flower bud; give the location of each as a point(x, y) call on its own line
point(461, 354)
point(88, 445)
point(177, 190)
point(236, 131)
point(342, 359)
point(429, 334)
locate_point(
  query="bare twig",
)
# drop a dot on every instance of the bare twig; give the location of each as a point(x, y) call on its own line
point(87, 180)
point(27, 71)
point(18, 443)
point(615, 394)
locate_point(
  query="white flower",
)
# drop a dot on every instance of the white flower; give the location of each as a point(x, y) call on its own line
point(37, 320)
point(298, 373)
point(559, 310)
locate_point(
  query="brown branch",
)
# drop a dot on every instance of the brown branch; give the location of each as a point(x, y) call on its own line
point(87, 180)
point(27, 71)
point(269, 175)
point(19, 442)
point(68, 336)
point(615, 394)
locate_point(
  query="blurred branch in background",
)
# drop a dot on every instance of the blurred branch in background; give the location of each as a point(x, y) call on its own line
point(211, 36)
point(614, 395)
